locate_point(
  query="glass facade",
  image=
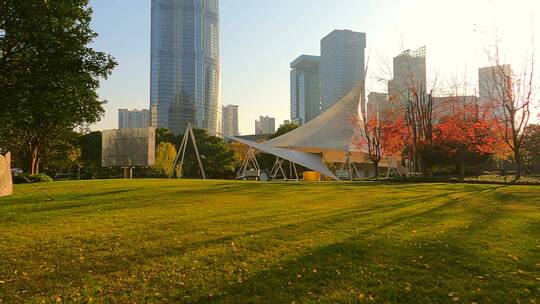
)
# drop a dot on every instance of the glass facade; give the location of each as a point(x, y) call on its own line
point(305, 89)
point(185, 64)
point(342, 64)
point(133, 119)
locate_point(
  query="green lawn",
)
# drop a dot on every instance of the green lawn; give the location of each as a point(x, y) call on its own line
point(155, 241)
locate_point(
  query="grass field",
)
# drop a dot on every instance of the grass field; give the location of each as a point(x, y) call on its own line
point(155, 241)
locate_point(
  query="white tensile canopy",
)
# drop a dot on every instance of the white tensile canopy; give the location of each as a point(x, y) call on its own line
point(308, 160)
point(328, 137)
point(333, 130)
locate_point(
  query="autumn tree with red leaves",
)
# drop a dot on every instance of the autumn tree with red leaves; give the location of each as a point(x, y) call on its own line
point(382, 138)
point(382, 134)
point(464, 134)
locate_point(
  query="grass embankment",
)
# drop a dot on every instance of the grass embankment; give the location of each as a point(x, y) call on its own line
point(214, 241)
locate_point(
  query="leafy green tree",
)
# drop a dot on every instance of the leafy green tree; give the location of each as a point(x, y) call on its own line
point(165, 135)
point(48, 75)
point(531, 146)
point(90, 145)
point(284, 129)
point(165, 155)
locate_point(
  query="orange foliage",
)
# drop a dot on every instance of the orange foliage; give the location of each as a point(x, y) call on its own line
point(466, 131)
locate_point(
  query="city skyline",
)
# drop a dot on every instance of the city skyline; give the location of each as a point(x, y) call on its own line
point(246, 57)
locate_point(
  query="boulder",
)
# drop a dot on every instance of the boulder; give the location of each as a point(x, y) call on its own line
point(6, 183)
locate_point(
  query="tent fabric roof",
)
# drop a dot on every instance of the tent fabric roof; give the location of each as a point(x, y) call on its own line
point(334, 129)
point(308, 160)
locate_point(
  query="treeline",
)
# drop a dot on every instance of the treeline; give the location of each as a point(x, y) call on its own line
point(453, 135)
point(79, 156)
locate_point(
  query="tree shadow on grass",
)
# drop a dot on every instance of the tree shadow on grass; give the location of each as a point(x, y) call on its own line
point(108, 262)
point(423, 270)
point(362, 256)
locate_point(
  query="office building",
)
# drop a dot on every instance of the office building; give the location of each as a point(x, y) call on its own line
point(495, 85)
point(492, 81)
point(305, 89)
point(154, 115)
point(185, 64)
point(377, 105)
point(342, 65)
point(265, 125)
point(451, 105)
point(133, 119)
point(229, 120)
point(409, 75)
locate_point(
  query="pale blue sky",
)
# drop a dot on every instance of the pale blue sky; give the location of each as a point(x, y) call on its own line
point(259, 38)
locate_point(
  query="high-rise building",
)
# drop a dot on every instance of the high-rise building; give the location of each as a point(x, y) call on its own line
point(265, 125)
point(154, 115)
point(493, 81)
point(305, 89)
point(133, 119)
point(229, 120)
point(451, 105)
point(377, 105)
point(495, 85)
point(342, 65)
point(185, 64)
point(409, 75)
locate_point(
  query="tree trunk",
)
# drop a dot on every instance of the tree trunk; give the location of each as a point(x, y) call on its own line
point(517, 156)
point(376, 168)
point(424, 167)
point(462, 169)
point(34, 161)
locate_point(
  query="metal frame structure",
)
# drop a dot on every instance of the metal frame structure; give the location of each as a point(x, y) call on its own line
point(278, 167)
point(351, 166)
point(250, 160)
point(182, 151)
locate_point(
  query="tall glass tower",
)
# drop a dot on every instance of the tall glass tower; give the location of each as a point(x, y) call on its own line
point(342, 65)
point(305, 89)
point(185, 64)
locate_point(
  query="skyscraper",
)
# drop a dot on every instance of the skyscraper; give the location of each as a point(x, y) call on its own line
point(491, 80)
point(305, 89)
point(185, 64)
point(495, 85)
point(229, 120)
point(376, 106)
point(265, 125)
point(133, 119)
point(342, 65)
point(409, 74)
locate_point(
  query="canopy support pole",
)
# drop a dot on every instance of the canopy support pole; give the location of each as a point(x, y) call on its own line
point(182, 151)
point(277, 168)
point(295, 171)
point(250, 158)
